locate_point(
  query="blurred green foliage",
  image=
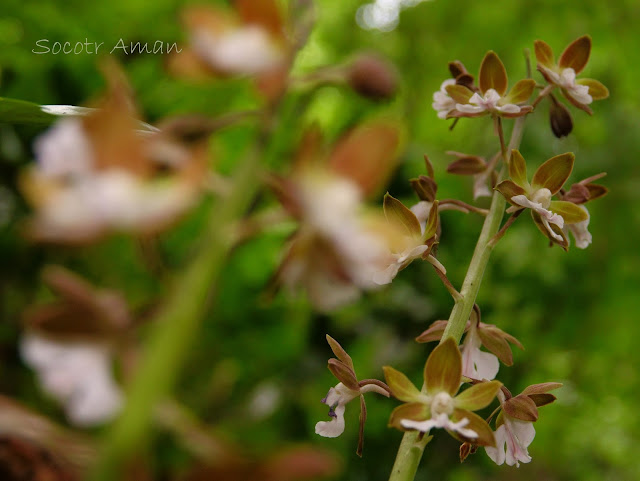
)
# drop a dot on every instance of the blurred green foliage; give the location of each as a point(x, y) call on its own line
point(574, 312)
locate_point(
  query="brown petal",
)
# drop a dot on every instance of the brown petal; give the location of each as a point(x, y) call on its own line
point(542, 388)
point(542, 399)
point(345, 375)
point(340, 353)
point(401, 216)
point(492, 74)
point(261, 12)
point(564, 243)
point(596, 191)
point(570, 212)
point(411, 411)
point(497, 345)
point(510, 189)
point(367, 155)
point(469, 165)
point(521, 91)
point(477, 424)
point(456, 68)
point(553, 173)
point(478, 396)
point(459, 93)
point(544, 54)
point(518, 169)
point(596, 89)
point(576, 55)
point(431, 227)
point(443, 369)
point(401, 387)
point(434, 333)
point(425, 187)
point(521, 407)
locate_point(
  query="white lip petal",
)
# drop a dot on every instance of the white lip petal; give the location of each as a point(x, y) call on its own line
point(333, 428)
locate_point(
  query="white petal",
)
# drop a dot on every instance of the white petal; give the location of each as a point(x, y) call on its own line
point(333, 428)
point(509, 109)
point(491, 96)
point(387, 275)
point(422, 426)
point(64, 150)
point(247, 50)
point(470, 109)
point(97, 401)
point(519, 435)
point(497, 454)
point(421, 211)
point(580, 231)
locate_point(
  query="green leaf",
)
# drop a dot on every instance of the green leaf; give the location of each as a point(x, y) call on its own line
point(443, 369)
point(401, 387)
point(478, 396)
point(553, 173)
point(14, 111)
point(492, 74)
point(576, 55)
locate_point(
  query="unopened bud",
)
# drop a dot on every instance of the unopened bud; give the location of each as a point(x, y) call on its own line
point(560, 118)
point(373, 77)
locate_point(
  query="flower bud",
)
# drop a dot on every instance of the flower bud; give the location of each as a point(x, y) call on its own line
point(560, 119)
point(373, 77)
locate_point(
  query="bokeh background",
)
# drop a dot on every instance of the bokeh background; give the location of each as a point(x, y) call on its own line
point(258, 370)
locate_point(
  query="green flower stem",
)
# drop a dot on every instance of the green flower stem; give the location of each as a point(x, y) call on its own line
point(411, 448)
point(176, 326)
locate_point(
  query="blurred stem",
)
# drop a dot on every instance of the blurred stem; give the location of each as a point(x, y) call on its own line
point(412, 447)
point(177, 324)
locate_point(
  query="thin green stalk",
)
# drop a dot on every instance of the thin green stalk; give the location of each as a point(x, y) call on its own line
point(175, 327)
point(411, 448)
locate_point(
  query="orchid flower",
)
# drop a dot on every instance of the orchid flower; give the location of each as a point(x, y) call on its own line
point(550, 216)
point(348, 389)
point(515, 430)
point(438, 406)
point(563, 73)
point(491, 97)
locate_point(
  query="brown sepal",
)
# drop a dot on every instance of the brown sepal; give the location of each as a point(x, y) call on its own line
point(521, 407)
point(425, 188)
point(434, 333)
point(559, 118)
